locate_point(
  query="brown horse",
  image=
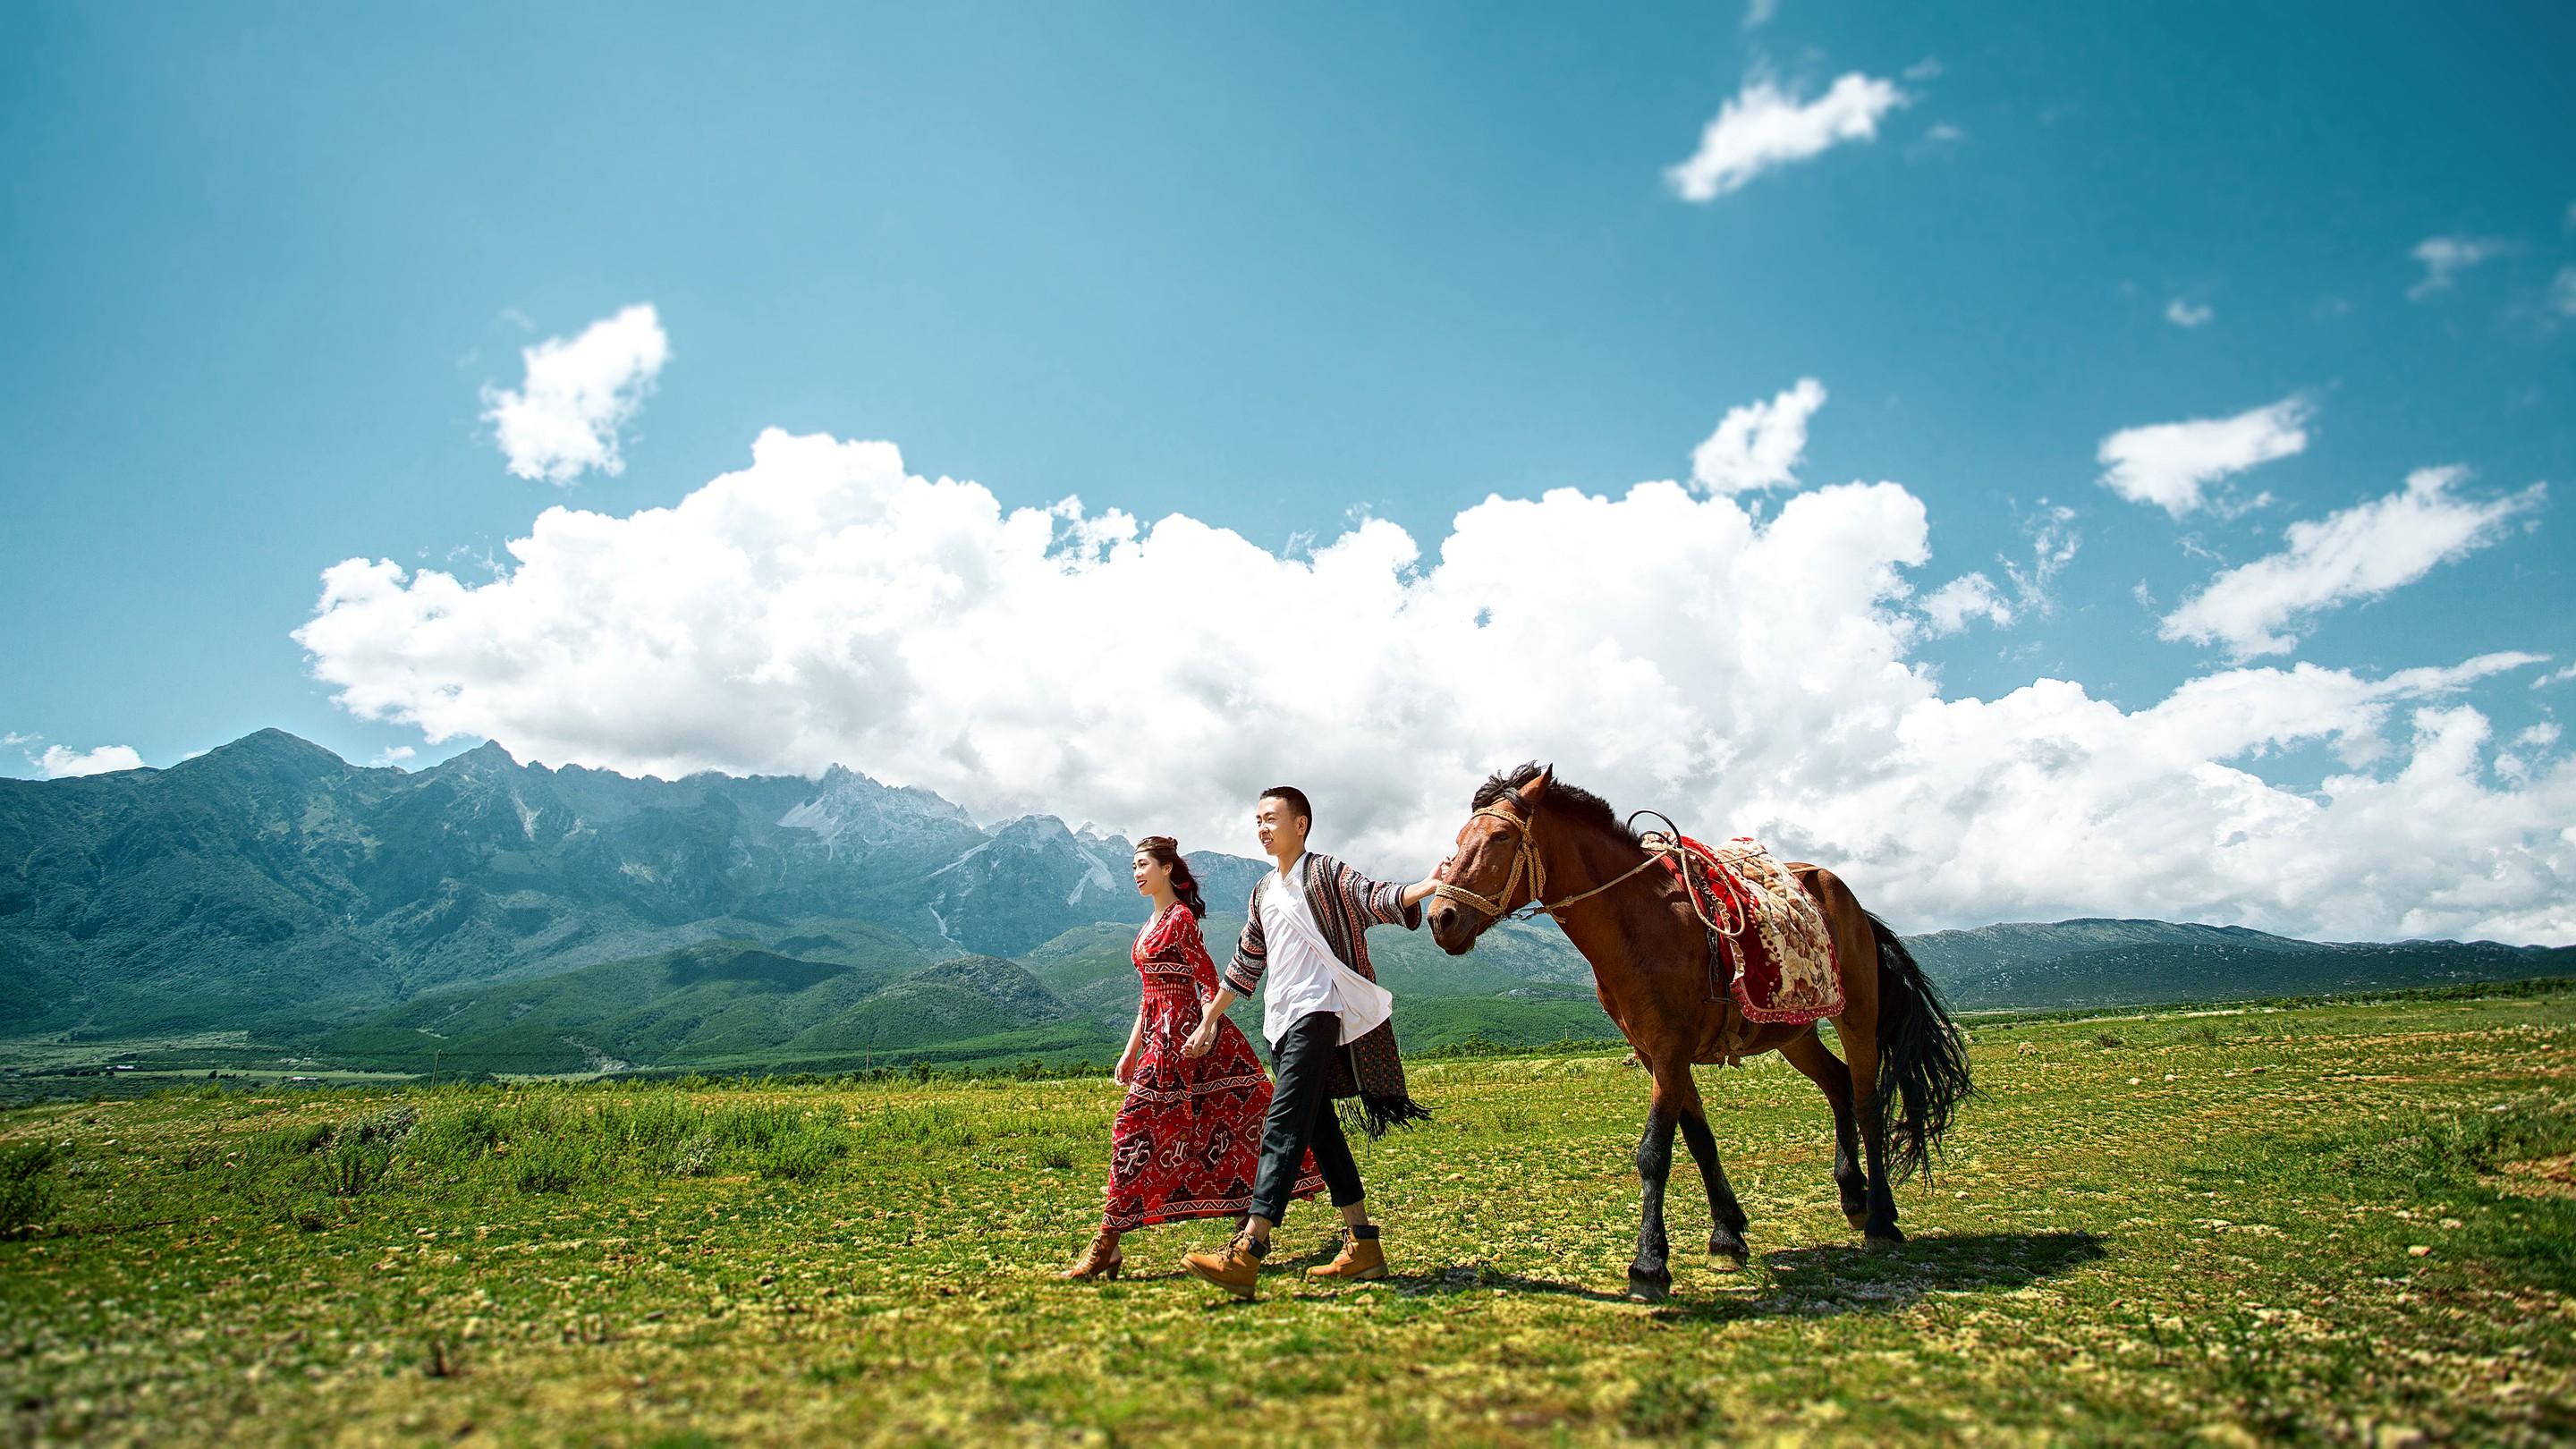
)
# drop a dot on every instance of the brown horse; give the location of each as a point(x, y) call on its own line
point(1650, 956)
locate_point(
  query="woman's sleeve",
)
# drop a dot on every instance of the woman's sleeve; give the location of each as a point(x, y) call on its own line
point(1185, 931)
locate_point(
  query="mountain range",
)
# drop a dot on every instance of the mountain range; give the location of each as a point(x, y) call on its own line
point(561, 920)
point(2130, 963)
point(269, 883)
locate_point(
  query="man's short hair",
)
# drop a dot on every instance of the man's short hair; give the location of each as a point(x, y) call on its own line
point(1294, 799)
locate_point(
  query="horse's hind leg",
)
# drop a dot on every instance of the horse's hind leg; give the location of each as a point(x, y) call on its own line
point(1810, 1055)
point(1878, 1219)
point(1726, 1248)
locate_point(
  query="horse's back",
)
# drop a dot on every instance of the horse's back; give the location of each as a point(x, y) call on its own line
point(1821, 883)
point(1855, 943)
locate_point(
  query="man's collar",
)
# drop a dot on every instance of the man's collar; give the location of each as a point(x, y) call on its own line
point(1291, 874)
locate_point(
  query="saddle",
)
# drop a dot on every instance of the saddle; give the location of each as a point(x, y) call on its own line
point(1770, 947)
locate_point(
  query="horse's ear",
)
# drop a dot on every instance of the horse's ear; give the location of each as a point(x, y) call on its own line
point(1536, 789)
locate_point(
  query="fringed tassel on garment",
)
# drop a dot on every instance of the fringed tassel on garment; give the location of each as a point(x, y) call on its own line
point(1373, 1115)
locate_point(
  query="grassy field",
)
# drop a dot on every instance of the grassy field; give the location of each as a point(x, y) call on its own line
point(2344, 1222)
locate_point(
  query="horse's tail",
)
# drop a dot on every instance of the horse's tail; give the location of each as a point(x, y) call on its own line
point(1922, 1059)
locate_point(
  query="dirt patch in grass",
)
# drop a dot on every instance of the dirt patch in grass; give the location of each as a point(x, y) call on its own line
point(2540, 1177)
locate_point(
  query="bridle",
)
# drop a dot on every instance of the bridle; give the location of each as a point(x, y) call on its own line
point(1526, 861)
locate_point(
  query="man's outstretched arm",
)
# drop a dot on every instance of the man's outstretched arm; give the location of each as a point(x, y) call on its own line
point(1391, 905)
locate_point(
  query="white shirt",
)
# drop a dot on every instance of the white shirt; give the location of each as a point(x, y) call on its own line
point(1304, 976)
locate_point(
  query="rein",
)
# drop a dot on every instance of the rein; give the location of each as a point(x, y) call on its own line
point(1525, 860)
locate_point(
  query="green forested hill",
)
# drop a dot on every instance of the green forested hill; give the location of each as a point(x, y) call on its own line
point(2096, 962)
point(722, 998)
point(955, 1001)
point(721, 1003)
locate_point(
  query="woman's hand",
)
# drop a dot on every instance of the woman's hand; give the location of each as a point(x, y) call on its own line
point(1211, 1011)
point(1124, 1074)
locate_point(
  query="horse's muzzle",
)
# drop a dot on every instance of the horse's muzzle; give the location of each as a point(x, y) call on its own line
point(1453, 928)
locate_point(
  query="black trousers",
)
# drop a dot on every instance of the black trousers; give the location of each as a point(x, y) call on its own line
point(1301, 1116)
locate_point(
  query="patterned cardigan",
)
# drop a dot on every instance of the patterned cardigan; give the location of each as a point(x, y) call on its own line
point(1345, 904)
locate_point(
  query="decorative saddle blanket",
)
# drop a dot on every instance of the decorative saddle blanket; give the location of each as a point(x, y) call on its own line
point(1771, 935)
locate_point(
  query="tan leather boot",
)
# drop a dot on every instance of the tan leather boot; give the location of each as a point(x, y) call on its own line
point(1103, 1259)
point(1361, 1260)
point(1236, 1268)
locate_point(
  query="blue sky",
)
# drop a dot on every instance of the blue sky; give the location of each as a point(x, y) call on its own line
point(1273, 269)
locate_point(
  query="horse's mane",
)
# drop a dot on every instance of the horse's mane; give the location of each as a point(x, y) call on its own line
point(1573, 800)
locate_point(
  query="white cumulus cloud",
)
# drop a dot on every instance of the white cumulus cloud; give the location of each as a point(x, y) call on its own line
point(1760, 444)
point(1667, 648)
point(2445, 257)
point(58, 763)
point(2359, 553)
point(1951, 607)
point(579, 394)
point(1764, 126)
point(2175, 465)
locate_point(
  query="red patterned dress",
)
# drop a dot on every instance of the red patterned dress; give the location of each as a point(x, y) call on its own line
point(1187, 1141)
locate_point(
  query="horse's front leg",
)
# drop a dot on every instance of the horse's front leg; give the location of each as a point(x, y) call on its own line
point(1650, 1277)
point(1727, 1250)
point(1726, 1247)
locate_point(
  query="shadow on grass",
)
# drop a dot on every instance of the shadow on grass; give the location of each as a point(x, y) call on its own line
point(1816, 1282)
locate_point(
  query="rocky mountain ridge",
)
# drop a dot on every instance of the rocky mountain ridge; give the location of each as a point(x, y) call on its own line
point(270, 881)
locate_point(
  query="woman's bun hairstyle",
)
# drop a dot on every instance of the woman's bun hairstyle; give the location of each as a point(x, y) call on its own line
point(1167, 852)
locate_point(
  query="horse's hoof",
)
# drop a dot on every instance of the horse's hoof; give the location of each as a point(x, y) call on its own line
point(1649, 1288)
point(1886, 1237)
point(1858, 1218)
point(1727, 1252)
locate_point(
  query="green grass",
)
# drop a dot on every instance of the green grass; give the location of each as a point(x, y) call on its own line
point(2208, 1228)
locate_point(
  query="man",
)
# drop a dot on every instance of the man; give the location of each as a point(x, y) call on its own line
point(1327, 1021)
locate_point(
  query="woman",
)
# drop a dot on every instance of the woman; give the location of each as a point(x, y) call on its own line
point(1187, 1141)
